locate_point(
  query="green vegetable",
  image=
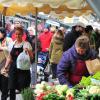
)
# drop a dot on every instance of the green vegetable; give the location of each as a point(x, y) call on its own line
point(85, 81)
point(53, 96)
point(96, 76)
point(93, 97)
point(61, 97)
point(27, 94)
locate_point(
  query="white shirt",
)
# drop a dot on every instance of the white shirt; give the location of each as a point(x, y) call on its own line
point(25, 44)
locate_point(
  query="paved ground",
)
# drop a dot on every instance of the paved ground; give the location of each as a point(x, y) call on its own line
point(18, 97)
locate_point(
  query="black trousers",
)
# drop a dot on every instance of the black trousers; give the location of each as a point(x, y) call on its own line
point(12, 94)
point(54, 70)
point(4, 87)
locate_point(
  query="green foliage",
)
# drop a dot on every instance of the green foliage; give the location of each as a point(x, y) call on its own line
point(93, 97)
point(53, 96)
point(85, 81)
point(96, 76)
point(27, 94)
point(81, 94)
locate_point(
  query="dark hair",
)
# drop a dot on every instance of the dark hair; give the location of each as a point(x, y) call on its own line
point(60, 32)
point(82, 42)
point(3, 31)
point(88, 28)
point(19, 29)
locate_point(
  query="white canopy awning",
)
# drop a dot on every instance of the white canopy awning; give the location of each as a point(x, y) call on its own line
point(71, 7)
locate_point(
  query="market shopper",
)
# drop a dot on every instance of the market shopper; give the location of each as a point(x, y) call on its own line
point(55, 51)
point(8, 29)
point(91, 35)
point(70, 38)
point(97, 31)
point(72, 65)
point(18, 79)
point(4, 44)
point(63, 30)
point(45, 39)
point(53, 29)
point(32, 40)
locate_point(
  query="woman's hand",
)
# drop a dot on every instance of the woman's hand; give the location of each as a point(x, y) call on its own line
point(6, 69)
point(26, 50)
point(29, 52)
point(1, 48)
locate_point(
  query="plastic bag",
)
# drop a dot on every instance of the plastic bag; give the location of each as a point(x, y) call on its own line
point(23, 61)
point(95, 81)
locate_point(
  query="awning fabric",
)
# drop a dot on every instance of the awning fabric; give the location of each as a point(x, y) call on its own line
point(71, 7)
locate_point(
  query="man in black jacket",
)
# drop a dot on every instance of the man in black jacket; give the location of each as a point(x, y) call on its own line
point(71, 37)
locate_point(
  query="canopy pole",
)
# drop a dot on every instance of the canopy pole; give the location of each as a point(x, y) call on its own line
point(3, 16)
point(3, 21)
point(36, 56)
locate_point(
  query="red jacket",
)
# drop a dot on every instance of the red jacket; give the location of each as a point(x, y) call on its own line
point(45, 39)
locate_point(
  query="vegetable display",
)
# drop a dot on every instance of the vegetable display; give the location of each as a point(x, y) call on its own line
point(87, 89)
point(85, 81)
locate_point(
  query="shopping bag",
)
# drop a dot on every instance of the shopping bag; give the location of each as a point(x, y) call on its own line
point(2, 58)
point(4, 72)
point(2, 63)
point(48, 68)
point(93, 66)
point(23, 61)
point(99, 52)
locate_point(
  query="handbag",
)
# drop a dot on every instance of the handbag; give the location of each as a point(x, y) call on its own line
point(2, 59)
point(2, 63)
point(23, 61)
point(93, 66)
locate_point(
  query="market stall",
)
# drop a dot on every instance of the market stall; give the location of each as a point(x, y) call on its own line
point(72, 7)
point(87, 89)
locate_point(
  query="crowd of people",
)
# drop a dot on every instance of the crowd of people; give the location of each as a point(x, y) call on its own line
point(66, 53)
